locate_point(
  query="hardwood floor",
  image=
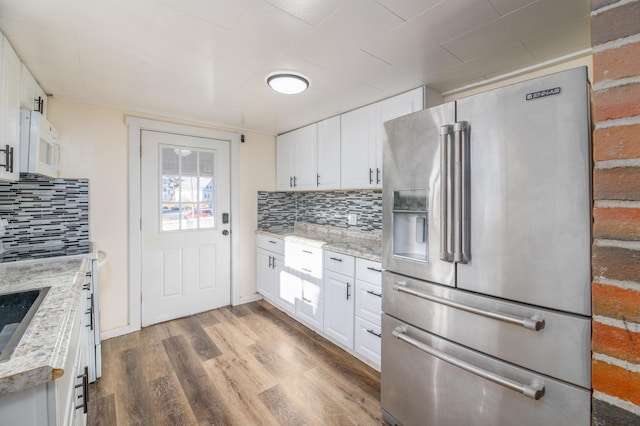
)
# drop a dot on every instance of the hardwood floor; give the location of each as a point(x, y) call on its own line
point(244, 365)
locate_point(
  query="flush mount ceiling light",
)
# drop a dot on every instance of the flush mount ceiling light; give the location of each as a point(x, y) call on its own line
point(287, 82)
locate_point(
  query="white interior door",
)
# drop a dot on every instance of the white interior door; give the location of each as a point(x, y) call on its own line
point(185, 225)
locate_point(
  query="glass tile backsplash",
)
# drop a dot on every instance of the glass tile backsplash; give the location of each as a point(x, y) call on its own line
point(277, 210)
point(45, 214)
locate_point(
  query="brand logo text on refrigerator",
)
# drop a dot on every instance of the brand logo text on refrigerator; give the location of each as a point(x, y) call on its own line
point(543, 93)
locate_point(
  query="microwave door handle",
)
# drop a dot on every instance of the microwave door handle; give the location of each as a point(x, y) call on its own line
point(446, 166)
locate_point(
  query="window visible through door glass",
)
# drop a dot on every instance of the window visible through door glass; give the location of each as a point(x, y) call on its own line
point(187, 188)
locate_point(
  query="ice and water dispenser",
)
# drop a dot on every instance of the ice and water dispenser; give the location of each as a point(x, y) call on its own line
point(410, 224)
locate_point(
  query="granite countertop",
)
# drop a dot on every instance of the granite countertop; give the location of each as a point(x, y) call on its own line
point(41, 353)
point(365, 245)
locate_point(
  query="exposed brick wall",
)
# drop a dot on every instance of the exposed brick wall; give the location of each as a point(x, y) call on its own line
point(615, 27)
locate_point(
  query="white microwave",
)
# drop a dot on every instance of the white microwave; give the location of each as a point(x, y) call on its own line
point(39, 145)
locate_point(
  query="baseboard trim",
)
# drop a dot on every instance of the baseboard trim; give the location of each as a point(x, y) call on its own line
point(248, 299)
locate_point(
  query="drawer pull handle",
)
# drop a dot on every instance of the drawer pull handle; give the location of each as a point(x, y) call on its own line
point(272, 242)
point(374, 269)
point(533, 390)
point(536, 322)
point(307, 270)
point(337, 259)
point(306, 300)
point(307, 251)
point(374, 333)
point(374, 293)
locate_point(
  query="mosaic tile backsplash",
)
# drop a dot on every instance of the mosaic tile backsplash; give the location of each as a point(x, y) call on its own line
point(45, 215)
point(277, 210)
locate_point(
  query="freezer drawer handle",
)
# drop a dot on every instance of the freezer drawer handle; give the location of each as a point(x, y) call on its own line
point(533, 391)
point(536, 322)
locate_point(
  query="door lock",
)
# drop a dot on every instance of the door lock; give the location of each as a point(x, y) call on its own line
point(225, 232)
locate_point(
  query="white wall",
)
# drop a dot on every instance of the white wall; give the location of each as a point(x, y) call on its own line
point(95, 143)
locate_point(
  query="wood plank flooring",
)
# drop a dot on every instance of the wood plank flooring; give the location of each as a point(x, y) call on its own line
point(244, 365)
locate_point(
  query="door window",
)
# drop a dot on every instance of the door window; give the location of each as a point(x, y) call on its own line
point(187, 188)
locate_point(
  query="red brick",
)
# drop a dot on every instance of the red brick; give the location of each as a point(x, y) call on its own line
point(616, 263)
point(613, 64)
point(617, 223)
point(615, 381)
point(617, 102)
point(615, 143)
point(616, 342)
point(619, 183)
point(618, 22)
point(615, 302)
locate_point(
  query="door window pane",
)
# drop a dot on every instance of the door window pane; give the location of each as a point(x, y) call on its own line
point(187, 189)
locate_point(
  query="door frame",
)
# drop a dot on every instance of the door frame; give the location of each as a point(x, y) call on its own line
point(135, 127)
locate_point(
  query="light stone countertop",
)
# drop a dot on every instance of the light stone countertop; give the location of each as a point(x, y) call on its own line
point(41, 353)
point(366, 245)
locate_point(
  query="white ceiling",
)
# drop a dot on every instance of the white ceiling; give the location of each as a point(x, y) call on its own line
point(207, 60)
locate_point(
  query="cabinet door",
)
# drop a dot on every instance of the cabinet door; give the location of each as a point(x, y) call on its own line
point(10, 112)
point(287, 286)
point(368, 340)
point(309, 308)
point(391, 108)
point(329, 153)
point(264, 273)
point(284, 161)
point(305, 158)
point(357, 148)
point(339, 307)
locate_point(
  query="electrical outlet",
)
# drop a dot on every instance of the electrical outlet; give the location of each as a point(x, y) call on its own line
point(352, 219)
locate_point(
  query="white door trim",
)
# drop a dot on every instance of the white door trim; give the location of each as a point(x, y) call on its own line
point(136, 125)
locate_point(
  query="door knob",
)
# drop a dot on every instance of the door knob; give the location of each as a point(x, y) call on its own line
point(225, 232)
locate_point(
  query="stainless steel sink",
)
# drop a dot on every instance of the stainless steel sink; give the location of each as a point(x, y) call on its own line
point(16, 311)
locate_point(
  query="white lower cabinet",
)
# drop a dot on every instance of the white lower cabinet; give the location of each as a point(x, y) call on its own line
point(269, 265)
point(59, 402)
point(339, 307)
point(337, 295)
point(310, 307)
point(368, 337)
point(339, 290)
point(368, 312)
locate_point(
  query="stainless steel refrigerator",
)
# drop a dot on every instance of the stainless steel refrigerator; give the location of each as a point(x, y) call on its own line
point(487, 254)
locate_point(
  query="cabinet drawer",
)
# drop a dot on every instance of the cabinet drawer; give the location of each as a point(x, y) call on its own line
point(304, 259)
point(369, 271)
point(368, 339)
point(368, 301)
point(273, 244)
point(340, 263)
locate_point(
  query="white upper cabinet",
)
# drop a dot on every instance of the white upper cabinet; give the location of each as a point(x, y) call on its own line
point(10, 114)
point(343, 152)
point(284, 161)
point(30, 92)
point(329, 153)
point(357, 148)
point(296, 159)
point(363, 137)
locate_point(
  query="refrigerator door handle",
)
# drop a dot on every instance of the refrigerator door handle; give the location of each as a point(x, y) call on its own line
point(446, 201)
point(536, 322)
point(534, 390)
point(461, 193)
